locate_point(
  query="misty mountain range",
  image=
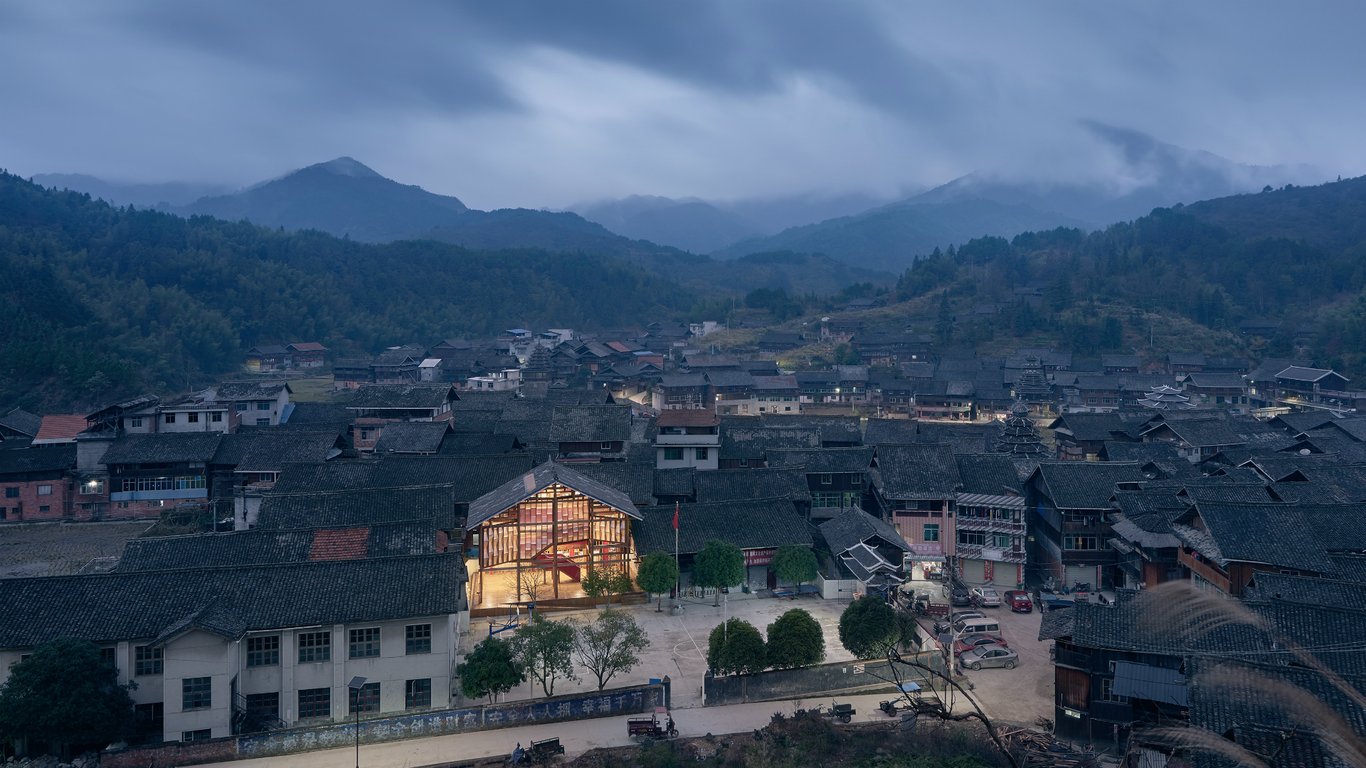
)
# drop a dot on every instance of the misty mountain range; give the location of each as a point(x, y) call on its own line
point(345, 198)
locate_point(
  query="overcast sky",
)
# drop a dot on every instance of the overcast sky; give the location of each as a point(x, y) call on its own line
point(549, 103)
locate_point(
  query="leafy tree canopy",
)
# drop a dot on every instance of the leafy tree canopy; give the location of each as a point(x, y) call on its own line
point(545, 648)
point(736, 648)
point(657, 574)
point(795, 639)
point(64, 693)
point(868, 627)
point(795, 564)
point(490, 669)
point(719, 564)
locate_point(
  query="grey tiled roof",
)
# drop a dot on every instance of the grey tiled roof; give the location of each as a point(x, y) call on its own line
point(963, 438)
point(917, 471)
point(373, 396)
point(248, 390)
point(756, 442)
point(741, 484)
point(823, 460)
point(21, 421)
point(435, 505)
point(635, 479)
point(832, 429)
point(269, 450)
point(853, 526)
point(753, 524)
point(990, 473)
point(143, 605)
point(1307, 590)
point(1272, 534)
point(590, 423)
point(1091, 427)
point(674, 482)
point(42, 459)
point(890, 431)
point(167, 448)
point(468, 477)
point(1086, 484)
point(412, 437)
point(510, 493)
point(264, 546)
point(1207, 432)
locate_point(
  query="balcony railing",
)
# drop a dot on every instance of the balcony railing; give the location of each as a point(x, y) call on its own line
point(995, 554)
point(989, 525)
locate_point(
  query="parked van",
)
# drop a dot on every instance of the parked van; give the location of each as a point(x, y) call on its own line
point(979, 625)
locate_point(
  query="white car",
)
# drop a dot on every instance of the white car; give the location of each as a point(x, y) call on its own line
point(986, 597)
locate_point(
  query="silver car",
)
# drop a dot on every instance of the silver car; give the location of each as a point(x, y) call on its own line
point(989, 656)
point(986, 597)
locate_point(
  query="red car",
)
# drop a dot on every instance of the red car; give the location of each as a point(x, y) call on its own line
point(1019, 601)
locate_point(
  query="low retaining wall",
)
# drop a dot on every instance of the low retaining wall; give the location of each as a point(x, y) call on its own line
point(822, 680)
point(578, 706)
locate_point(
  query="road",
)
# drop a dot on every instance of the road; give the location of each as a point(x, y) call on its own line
point(577, 736)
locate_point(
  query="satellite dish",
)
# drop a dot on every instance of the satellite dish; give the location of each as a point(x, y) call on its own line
point(825, 319)
point(1304, 451)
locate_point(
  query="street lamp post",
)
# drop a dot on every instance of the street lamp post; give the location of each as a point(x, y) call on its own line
point(356, 684)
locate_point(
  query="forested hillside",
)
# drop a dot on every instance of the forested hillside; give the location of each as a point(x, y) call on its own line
point(1295, 256)
point(97, 301)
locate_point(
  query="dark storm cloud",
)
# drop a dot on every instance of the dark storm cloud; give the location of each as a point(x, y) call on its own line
point(550, 102)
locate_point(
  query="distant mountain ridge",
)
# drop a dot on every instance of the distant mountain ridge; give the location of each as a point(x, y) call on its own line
point(169, 193)
point(1158, 175)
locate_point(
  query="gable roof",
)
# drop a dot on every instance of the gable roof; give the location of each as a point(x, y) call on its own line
point(400, 396)
point(41, 459)
point(163, 448)
point(590, 424)
point(756, 442)
point(741, 484)
point(916, 471)
point(264, 546)
point(21, 421)
point(249, 390)
point(890, 431)
point(516, 490)
point(988, 473)
point(60, 428)
point(1085, 484)
point(231, 601)
point(412, 437)
point(823, 460)
point(1266, 533)
point(433, 505)
point(752, 524)
point(853, 526)
point(1301, 373)
point(269, 450)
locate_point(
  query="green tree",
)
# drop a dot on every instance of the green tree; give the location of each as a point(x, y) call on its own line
point(657, 574)
point(610, 644)
point(736, 648)
point(66, 695)
point(545, 649)
point(868, 627)
point(602, 582)
point(795, 564)
point(720, 564)
point(795, 639)
point(490, 669)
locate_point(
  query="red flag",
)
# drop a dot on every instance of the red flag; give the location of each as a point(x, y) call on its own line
point(675, 515)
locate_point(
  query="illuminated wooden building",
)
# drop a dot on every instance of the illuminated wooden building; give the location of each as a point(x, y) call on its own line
point(537, 536)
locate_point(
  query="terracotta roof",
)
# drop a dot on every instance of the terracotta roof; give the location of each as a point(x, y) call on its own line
point(693, 417)
point(60, 428)
point(339, 544)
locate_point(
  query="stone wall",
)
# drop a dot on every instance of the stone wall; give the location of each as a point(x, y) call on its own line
point(818, 681)
point(578, 706)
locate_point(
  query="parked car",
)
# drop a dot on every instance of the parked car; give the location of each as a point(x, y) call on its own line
point(958, 595)
point(1019, 601)
point(946, 624)
point(989, 656)
point(986, 597)
point(975, 640)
